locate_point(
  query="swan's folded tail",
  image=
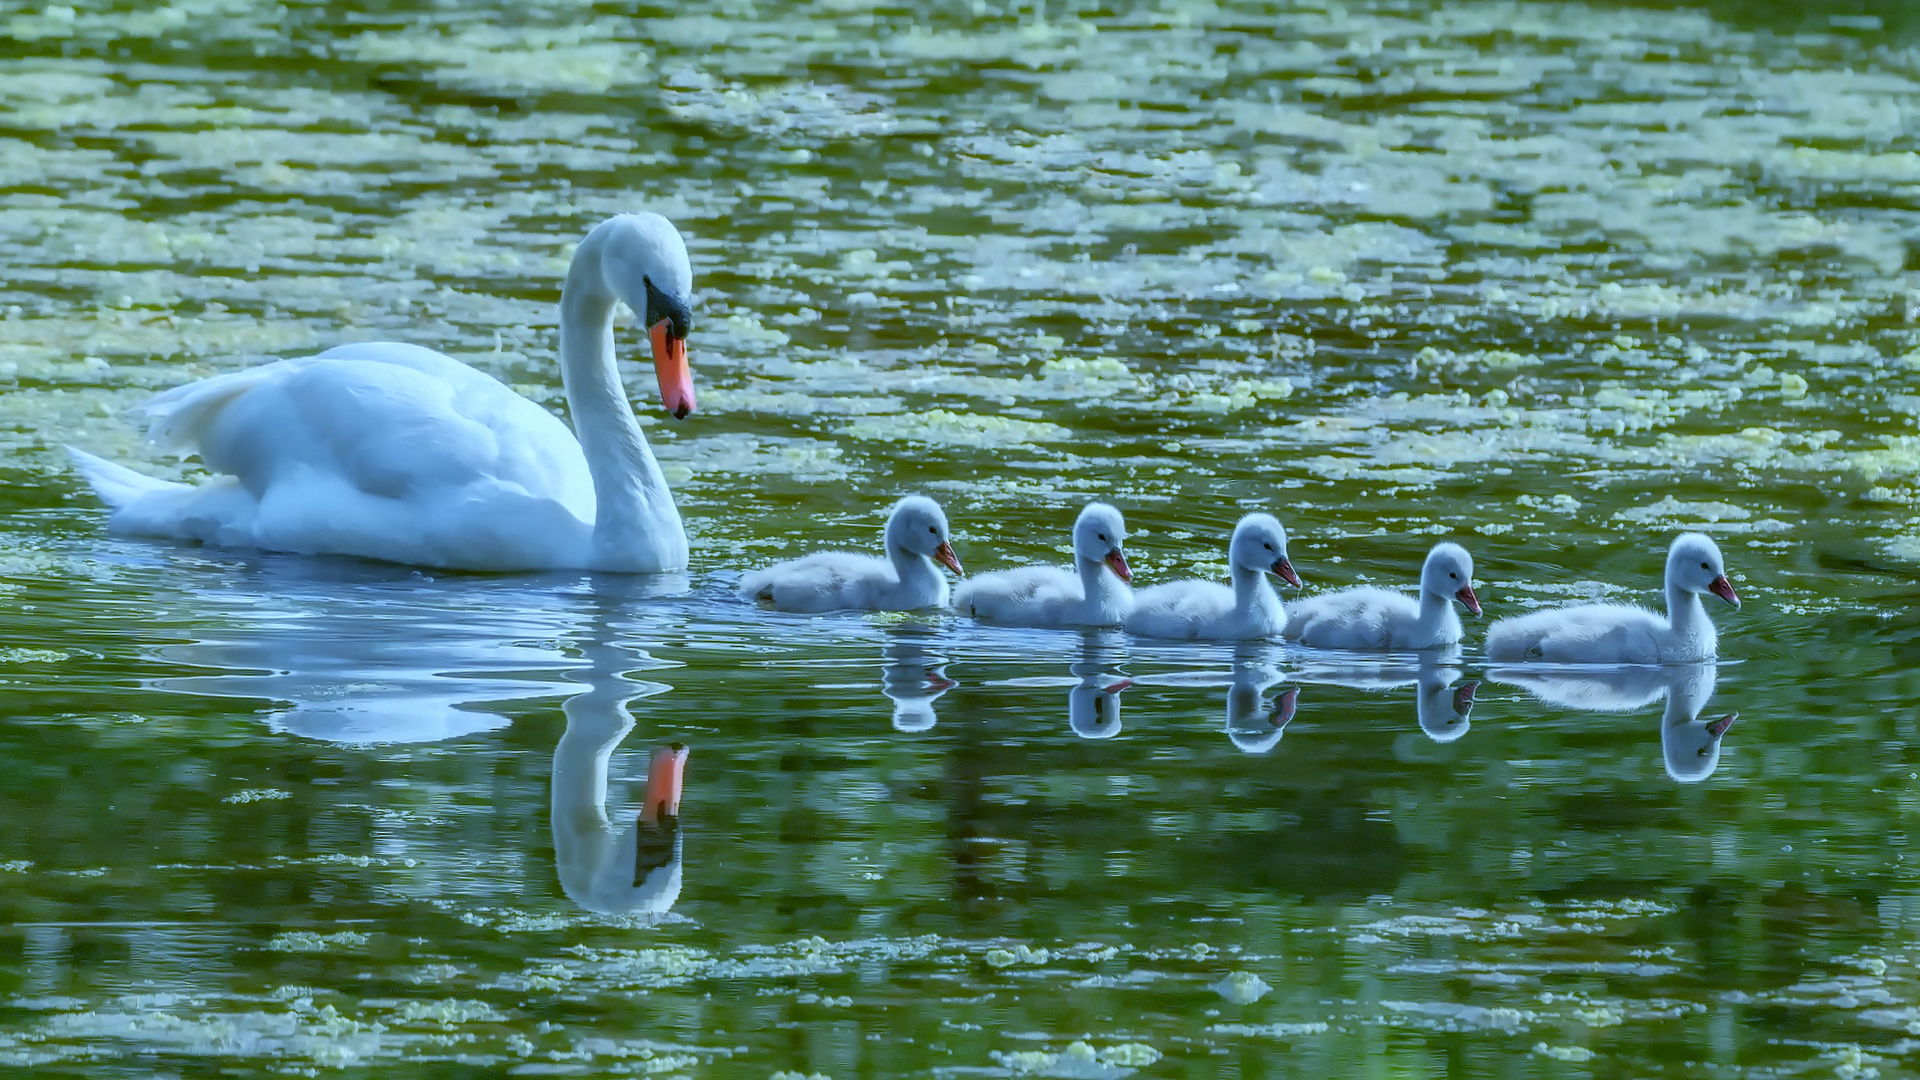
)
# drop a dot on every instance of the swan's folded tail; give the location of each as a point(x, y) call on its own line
point(116, 485)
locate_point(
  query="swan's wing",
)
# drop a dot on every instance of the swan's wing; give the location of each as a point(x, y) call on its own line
point(388, 420)
point(826, 581)
point(1029, 590)
point(1358, 618)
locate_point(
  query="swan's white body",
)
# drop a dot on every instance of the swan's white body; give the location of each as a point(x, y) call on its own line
point(906, 580)
point(1208, 611)
point(396, 452)
point(1093, 593)
point(1623, 633)
point(1372, 619)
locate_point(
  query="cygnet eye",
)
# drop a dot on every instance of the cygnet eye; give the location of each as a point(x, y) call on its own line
point(1453, 575)
point(934, 529)
point(1704, 566)
point(1103, 538)
point(1266, 545)
point(1703, 751)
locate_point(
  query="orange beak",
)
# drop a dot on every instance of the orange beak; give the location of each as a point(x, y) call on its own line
point(1719, 727)
point(1285, 569)
point(1723, 589)
point(670, 364)
point(1466, 597)
point(944, 553)
point(668, 768)
point(1283, 709)
point(1118, 562)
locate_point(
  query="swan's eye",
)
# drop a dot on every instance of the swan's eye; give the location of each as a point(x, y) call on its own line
point(1269, 547)
point(1704, 566)
point(1453, 575)
point(1103, 538)
point(934, 530)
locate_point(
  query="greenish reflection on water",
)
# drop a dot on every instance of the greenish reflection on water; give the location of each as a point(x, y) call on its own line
point(1553, 279)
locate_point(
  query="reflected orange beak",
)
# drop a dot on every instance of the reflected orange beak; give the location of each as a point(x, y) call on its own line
point(1463, 697)
point(670, 364)
point(664, 775)
point(1283, 709)
point(1118, 562)
point(1466, 597)
point(1719, 727)
point(1723, 589)
point(1117, 687)
point(944, 554)
point(1285, 569)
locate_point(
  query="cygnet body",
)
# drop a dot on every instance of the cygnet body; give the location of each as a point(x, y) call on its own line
point(1208, 611)
point(1624, 633)
point(1094, 592)
point(905, 580)
point(1367, 618)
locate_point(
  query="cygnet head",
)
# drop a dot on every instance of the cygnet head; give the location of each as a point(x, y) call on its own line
point(918, 526)
point(1260, 544)
point(1692, 749)
point(643, 262)
point(1693, 563)
point(1449, 573)
point(1254, 727)
point(1100, 535)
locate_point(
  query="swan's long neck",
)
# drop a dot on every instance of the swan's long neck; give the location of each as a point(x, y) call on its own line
point(635, 525)
point(1437, 621)
point(1102, 589)
point(912, 569)
point(1688, 617)
point(1251, 592)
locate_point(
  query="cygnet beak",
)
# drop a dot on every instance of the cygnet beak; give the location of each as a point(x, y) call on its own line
point(670, 364)
point(945, 556)
point(1466, 597)
point(1117, 560)
point(664, 776)
point(1283, 707)
point(1284, 569)
point(1719, 727)
point(1117, 687)
point(1723, 589)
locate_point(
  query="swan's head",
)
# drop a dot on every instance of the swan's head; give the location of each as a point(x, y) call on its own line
point(1693, 563)
point(1449, 573)
point(1100, 536)
point(1692, 748)
point(644, 262)
point(650, 880)
point(913, 687)
point(918, 526)
point(1260, 544)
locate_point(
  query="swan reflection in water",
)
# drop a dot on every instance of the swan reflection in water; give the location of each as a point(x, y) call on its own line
point(913, 678)
point(1442, 709)
point(1690, 745)
point(1255, 720)
point(616, 869)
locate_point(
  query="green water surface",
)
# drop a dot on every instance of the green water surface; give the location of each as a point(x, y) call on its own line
point(1555, 280)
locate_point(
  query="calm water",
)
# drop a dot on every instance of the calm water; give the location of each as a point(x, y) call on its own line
point(1554, 280)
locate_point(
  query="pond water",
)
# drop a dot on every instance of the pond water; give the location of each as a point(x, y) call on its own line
point(1555, 280)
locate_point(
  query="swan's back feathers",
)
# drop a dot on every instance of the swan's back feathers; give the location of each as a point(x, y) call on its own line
point(1585, 633)
point(1179, 609)
point(1025, 594)
point(823, 581)
point(1363, 617)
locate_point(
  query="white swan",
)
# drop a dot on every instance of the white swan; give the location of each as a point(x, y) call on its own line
point(1205, 610)
point(1623, 633)
point(1689, 745)
point(1364, 617)
point(906, 580)
point(396, 452)
point(1093, 593)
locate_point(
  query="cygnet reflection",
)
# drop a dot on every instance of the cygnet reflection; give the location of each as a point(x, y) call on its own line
point(1442, 709)
point(1093, 704)
point(1255, 719)
point(1690, 745)
point(913, 678)
point(616, 869)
